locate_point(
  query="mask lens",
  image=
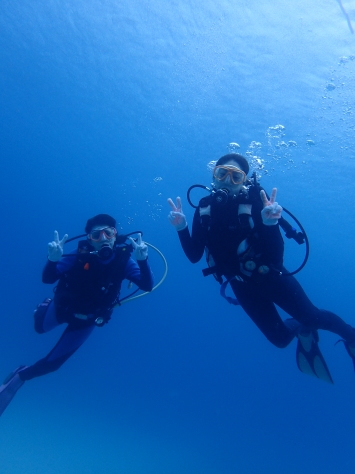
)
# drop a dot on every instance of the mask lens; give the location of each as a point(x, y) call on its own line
point(221, 173)
point(95, 235)
point(237, 176)
point(110, 232)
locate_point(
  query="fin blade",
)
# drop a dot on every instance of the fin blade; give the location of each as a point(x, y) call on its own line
point(321, 369)
point(310, 360)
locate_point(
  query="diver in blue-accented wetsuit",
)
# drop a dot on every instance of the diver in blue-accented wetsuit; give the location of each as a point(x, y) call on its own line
point(237, 226)
point(89, 282)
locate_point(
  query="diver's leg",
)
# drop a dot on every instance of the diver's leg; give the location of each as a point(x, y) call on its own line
point(255, 298)
point(72, 338)
point(287, 293)
point(262, 311)
point(45, 319)
point(290, 296)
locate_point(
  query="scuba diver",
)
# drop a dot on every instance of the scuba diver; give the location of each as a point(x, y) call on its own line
point(237, 225)
point(89, 282)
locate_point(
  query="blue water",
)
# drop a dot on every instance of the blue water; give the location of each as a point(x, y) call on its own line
point(114, 107)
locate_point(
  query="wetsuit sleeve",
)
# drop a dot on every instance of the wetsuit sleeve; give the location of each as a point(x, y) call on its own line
point(273, 245)
point(52, 271)
point(193, 245)
point(139, 273)
point(50, 274)
point(270, 241)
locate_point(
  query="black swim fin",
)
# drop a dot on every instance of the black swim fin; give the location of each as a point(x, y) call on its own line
point(350, 348)
point(309, 358)
point(9, 388)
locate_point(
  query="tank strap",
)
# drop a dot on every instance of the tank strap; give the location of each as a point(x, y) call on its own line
point(205, 211)
point(222, 292)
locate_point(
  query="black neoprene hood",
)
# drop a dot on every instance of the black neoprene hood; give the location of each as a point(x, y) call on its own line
point(100, 219)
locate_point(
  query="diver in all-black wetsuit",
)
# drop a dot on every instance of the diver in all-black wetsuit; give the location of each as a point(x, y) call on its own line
point(243, 243)
point(87, 291)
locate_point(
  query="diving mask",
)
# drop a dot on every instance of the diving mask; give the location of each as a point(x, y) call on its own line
point(236, 175)
point(108, 232)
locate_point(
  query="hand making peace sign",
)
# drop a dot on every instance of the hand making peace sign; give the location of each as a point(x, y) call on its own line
point(55, 248)
point(140, 248)
point(271, 212)
point(176, 216)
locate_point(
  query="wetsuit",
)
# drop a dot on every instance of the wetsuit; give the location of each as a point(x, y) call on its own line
point(88, 288)
point(250, 255)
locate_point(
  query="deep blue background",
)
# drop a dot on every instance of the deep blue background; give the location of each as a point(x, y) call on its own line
point(114, 107)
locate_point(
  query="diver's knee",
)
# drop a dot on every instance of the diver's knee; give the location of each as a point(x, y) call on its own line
point(281, 344)
point(278, 341)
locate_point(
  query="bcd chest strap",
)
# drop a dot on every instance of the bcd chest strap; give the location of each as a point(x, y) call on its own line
point(241, 223)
